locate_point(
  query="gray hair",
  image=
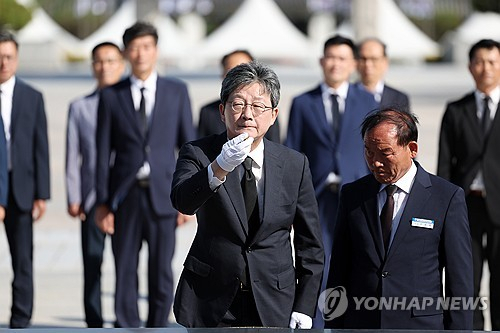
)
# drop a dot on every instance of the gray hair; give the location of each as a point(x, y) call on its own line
point(248, 73)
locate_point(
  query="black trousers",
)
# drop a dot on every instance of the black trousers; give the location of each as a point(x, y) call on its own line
point(92, 251)
point(482, 226)
point(19, 230)
point(135, 222)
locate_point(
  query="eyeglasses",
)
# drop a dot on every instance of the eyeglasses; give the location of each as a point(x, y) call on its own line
point(370, 59)
point(239, 106)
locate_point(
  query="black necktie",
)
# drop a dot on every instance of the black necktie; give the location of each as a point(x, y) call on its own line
point(335, 114)
point(249, 187)
point(386, 214)
point(142, 113)
point(486, 120)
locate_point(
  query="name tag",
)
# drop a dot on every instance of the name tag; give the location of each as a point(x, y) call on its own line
point(422, 223)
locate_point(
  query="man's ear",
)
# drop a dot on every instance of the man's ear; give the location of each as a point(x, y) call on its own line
point(413, 146)
point(222, 112)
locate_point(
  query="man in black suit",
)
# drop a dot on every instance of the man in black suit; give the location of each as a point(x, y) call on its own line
point(372, 66)
point(248, 193)
point(141, 122)
point(469, 156)
point(25, 124)
point(210, 121)
point(399, 230)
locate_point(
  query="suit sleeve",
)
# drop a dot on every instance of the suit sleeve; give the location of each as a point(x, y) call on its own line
point(308, 244)
point(73, 181)
point(190, 188)
point(446, 146)
point(103, 151)
point(186, 128)
point(457, 255)
point(340, 260)
point(41, 142)
point(294, 131)
point(4, 179)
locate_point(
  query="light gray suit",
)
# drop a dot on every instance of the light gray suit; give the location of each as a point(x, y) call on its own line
point(80, 189)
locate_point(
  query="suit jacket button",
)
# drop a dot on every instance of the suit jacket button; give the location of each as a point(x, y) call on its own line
point(249, 249)
point(385, 274)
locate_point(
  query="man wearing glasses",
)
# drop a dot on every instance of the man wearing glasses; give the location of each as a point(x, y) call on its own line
point(372, 66)
point(248, 192)
point(324, 124)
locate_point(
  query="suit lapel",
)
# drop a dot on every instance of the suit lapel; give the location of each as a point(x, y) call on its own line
point(372, 217)
point(160, 99)
point(472, 120)
point(494, 127)
point(318, 112)
point(272, 171)
point(232, 186)
point(417, 200)
point(17, 107)
point(125, 98)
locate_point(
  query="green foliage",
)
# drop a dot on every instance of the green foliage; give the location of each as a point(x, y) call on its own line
point(13, 16)
point(63, 12)
point(446, 22)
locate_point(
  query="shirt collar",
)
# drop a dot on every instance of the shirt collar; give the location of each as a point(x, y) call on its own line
point(8, 86)
point(341, 91)
point(257, 154)
point(405, 183)
point(379, 88)
point(494, 95)
point(149, 83)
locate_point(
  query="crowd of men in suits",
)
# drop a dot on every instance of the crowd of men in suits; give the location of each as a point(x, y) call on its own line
point(366, 216)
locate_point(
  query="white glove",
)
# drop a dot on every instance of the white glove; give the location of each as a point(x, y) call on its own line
point(300, 320)
point(234, 152)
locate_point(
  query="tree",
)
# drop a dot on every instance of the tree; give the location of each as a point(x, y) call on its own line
point(13, 15)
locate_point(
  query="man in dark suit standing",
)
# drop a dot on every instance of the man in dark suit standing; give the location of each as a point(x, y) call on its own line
point(210, 121)
point(248, 193)
point(324, 125)
point(469, 156)
point(141, 122)
point(372, 66)
point(398, 231)
point(107, 66)
point(25, 127)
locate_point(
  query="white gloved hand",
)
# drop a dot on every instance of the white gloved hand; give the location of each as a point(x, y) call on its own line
point(300, 320)
point(234, 152)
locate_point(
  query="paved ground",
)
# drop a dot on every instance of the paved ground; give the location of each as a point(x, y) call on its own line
point(57, 257)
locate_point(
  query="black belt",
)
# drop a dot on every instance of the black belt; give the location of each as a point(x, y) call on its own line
point(477, 193)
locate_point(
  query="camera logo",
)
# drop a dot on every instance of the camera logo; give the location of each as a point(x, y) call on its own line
point(333, 302)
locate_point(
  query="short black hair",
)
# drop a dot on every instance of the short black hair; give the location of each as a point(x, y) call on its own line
point(405, 122)
point(341, 40)
point(483, 44)
point(7, 36)
point(103, 44)
point(139, 29)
